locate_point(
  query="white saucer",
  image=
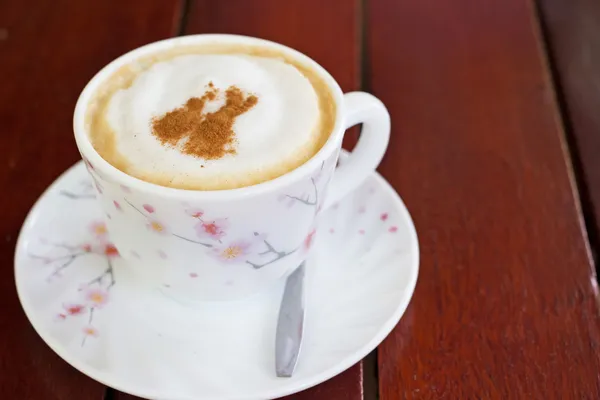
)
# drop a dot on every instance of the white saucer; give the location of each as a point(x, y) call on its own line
point(75, 291)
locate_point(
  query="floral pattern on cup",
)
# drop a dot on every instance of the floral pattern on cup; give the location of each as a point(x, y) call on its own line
point(215, 229)
point(212, 233)
point(215, 233)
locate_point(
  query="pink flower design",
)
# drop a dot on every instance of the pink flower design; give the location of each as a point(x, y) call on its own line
point(148, 208)
point(110, 250)
point(96, 297)
point(61, 316)
point(361, 231)
point(212, 229)
point(331, 230)
point(384, 216)
point(157, 227)
point(193, 275)
point(86, 247)
point(117, 205)
point(233, 252)
point(309, 240)
point(74, 309)
point(194, 212)
point(393, 229)
point(98, 228)
point(90, 331)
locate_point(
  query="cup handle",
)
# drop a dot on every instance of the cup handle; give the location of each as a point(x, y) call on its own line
point(360, 107)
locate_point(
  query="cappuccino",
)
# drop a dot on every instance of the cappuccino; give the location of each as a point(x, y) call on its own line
point(211, 117)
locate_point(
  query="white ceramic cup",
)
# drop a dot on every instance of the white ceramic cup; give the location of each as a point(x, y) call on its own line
point(223, 245)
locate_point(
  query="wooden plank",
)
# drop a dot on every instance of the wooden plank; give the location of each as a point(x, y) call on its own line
point(48, 51)
point(574, 44)
point(327, 32)
point(506, 304)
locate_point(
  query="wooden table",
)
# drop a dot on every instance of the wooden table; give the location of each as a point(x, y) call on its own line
point(495, 150)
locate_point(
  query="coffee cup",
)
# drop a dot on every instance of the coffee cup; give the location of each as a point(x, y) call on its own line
point(198, 245)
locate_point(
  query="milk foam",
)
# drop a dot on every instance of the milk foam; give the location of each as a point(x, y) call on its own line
point(279, 133)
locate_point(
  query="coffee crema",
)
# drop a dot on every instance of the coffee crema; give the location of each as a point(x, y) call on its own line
point(211, 117)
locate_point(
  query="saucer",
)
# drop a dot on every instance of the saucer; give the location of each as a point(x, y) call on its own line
point(79, 297)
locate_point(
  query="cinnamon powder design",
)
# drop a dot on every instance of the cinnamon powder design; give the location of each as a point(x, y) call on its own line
point(209, 136)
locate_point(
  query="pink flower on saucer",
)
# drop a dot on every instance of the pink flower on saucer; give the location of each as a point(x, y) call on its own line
point(157, 227)
point(90, 331)
point(74, 309)
point(148, 208)
point(96, 297)
point(110, 250)
point(212, 229)
point(384, 216)
point(98, 228)
point(117, 205)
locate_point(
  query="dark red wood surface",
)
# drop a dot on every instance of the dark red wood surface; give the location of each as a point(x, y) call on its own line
point(573, 40)
point(48, 51)
point(506, 303)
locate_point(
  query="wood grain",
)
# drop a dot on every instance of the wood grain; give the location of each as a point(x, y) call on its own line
point(573, 38)
point(48, 51)
point(506, 305)
point(328, 32)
